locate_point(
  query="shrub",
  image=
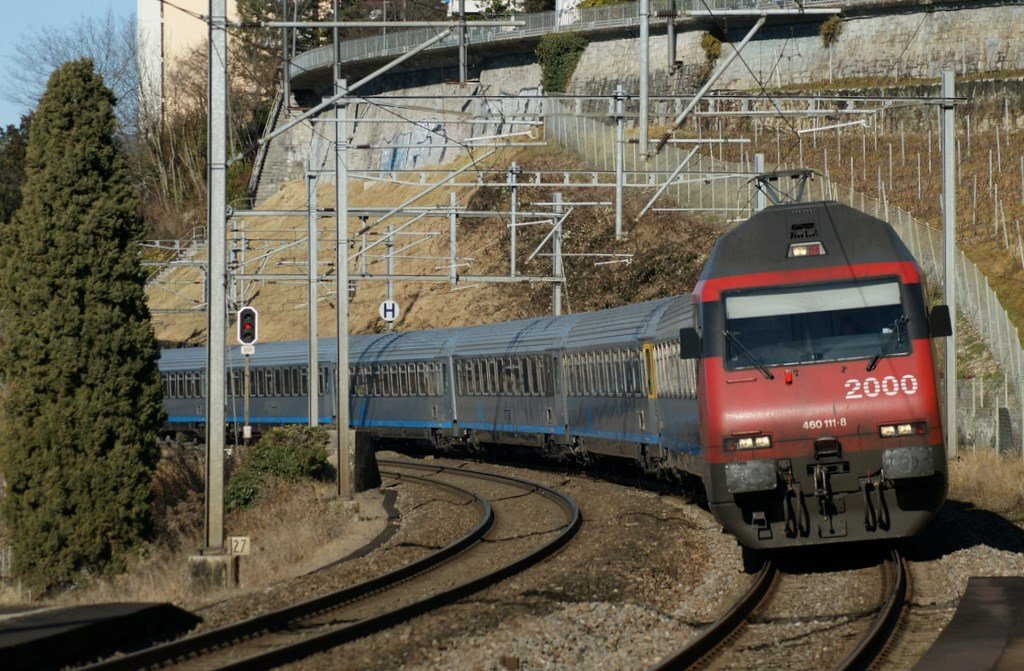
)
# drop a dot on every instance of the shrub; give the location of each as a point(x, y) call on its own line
point(243, 488)
point(831, 29)
point(558, 54)
point(286, 453)
point(712, 47)
point(290, 453)
point(601, 3)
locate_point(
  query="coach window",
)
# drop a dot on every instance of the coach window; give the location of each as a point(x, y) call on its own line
point(286, 382)
point(615, 381)
point(542, 381)
point(403, 379)
point(429, 379)
point(414, 379)
point(530, 375)
point(508, 375)
point(506, 384)
point(460, 377)
point(480, 367)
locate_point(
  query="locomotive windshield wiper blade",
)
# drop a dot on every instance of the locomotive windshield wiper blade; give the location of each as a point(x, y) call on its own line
point(897, 330)
point(750, 355)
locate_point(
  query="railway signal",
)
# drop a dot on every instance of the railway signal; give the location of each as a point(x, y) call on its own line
point(247, 330)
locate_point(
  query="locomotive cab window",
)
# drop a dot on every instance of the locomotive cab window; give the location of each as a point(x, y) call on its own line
point(831, 322)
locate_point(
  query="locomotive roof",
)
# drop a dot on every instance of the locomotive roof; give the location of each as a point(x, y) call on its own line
point(658, 320)
point(761, 244)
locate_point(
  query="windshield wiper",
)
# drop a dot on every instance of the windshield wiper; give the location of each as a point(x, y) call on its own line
point(750, 355)
point(897, 330)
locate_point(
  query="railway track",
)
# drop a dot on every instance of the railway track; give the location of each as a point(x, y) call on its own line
point(513, 513)
point(714, 640)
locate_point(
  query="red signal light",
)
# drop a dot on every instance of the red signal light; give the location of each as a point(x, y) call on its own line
point(247, 333)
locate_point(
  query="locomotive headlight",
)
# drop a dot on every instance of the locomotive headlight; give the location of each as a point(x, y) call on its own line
point(903, 429)
point(806, 249)
point(748, 443)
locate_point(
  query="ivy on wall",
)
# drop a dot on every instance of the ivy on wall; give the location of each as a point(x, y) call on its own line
point(558, 54)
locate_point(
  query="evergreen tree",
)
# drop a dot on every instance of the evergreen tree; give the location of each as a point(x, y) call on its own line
point(13, 141)
point(82, 397)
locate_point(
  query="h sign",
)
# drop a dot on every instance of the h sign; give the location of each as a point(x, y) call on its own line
point(389, 311)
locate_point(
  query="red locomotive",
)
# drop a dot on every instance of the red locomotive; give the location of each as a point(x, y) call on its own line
point(819, 417)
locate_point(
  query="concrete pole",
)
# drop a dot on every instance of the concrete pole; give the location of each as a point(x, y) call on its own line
point(311, 298)
point(453, 275)
point(556, 258)
point(463, 55)
point(620, 120)
point(286, 85)
point(671, 35)
point(759, 198)
point(948, 253)
point(216, 278)
point(513, 176)
point(390, 245)
point(645, 33)
point(345, 437)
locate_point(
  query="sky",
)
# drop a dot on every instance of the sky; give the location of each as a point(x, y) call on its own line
point(23, 17)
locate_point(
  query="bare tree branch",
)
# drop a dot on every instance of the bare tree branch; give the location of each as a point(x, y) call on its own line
point(110, 41)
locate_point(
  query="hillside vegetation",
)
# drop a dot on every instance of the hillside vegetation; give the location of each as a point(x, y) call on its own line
point(668, 251)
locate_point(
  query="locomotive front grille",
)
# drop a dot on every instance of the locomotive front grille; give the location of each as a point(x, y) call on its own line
point(827, 448)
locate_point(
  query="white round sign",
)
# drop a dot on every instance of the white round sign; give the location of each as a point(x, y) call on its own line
point(389, 311)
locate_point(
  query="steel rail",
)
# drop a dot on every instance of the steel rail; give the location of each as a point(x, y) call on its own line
point(278, 620)
point(873, 643)
point(184, 648)
point(383, 621)
point(718, 632)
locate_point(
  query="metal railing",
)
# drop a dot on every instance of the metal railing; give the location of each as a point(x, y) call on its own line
point(581, 20)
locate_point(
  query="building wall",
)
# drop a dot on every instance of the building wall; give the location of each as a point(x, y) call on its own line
point(166, 34)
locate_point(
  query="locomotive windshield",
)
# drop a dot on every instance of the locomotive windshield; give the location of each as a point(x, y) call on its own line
point(832, 322)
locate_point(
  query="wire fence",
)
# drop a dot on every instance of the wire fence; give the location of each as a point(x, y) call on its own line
point(990, 411)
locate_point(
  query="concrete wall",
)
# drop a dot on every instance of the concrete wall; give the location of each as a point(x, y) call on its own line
point(898, 45)
point(423, 144)
point(893, 42)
